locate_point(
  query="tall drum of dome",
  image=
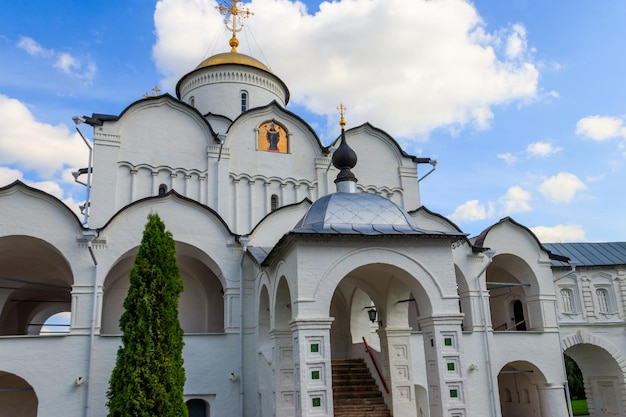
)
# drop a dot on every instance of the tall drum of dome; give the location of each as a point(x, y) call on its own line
point(230, 83)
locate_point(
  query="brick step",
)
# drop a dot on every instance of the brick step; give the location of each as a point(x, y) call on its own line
point(361, 407)
point(356, 389)
point(355, 393)
point(359, 401)
point(348, 380)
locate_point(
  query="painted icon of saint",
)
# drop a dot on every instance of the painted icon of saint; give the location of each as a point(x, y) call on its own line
point(272, 136)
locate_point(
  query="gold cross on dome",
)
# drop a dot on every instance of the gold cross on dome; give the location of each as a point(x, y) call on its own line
point(342, 110)
point(233, 18)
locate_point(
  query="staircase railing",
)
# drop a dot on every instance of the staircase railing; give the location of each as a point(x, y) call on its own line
point(503, 327)
point(380, 375)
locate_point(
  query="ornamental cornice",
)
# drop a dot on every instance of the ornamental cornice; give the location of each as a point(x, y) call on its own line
point(268, 180)
point(239, 76)
point(106, 139)
point(154, 170)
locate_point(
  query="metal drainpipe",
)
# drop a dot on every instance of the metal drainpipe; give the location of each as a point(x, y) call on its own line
point(244, 243)
point(94, 313)
point(489, 253)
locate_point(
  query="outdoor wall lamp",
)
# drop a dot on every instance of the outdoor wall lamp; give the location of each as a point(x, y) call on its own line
point(371, 313)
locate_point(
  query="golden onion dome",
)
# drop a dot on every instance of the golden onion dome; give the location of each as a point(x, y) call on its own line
point(233, 58)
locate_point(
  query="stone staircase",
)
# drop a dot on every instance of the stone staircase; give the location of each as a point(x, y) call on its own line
point(355, 393)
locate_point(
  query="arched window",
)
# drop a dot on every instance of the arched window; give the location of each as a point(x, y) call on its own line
point(197, 408)
point(162, 189)
point(192, 101)
point(244, 101)
point(274, 202)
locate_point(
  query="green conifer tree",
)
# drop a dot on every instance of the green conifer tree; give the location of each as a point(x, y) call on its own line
point(149, 377)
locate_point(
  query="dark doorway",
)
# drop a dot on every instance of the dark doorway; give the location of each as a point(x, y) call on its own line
point(518, 313)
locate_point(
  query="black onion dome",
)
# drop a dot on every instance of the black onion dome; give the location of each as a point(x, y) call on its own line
point(344, 159)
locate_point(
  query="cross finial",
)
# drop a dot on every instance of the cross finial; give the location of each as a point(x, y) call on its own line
point(233, 18)
point(342, 110)
point(155, 90)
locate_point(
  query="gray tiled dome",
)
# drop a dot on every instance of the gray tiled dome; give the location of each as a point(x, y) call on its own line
point(356, 213)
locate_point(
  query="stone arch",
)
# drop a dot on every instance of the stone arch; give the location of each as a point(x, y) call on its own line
point(282, 305)
point(197, 407)
point(419, 281)
point(602, 368)
point(38, 281)
point(40, 323)
point(360, 323)
point(265, 347)
point(581, 337)
point(264, 319)
point(510, 278)
point(388, 290)
point(465, 302)
point(17, 396)
point(201, 305)
point(518, 386)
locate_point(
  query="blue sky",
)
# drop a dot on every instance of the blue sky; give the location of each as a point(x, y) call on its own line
point(521, 102)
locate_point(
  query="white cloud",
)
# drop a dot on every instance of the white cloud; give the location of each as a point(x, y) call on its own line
point(9, 175)
point(29, 145)
point(507, 157)
point(446, 71)
point(33, 48)
point(595, 178)
point(67, 63)
point(562, 187)
point(516, 200)
point(542, 149)
point(601, 128)
point(81, 68)
point(559, 233)
point(472, 210)
point(71, 65)
point(53, 187)
point(516, 43)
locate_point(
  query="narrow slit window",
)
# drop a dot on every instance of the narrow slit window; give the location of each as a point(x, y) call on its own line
point(244, 101)
point(162, 189)
point(274, 202)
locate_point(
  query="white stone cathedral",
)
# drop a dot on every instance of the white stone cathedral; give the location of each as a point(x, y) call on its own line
point(301, 264)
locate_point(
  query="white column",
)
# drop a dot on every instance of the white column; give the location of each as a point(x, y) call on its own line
point(251, 208)
point(312, 369)
point(282, 361)
point(552, 400)
point(187, 178)
point(155, 187)
point(133, 184)
point(397, 353)
point(443, 350)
